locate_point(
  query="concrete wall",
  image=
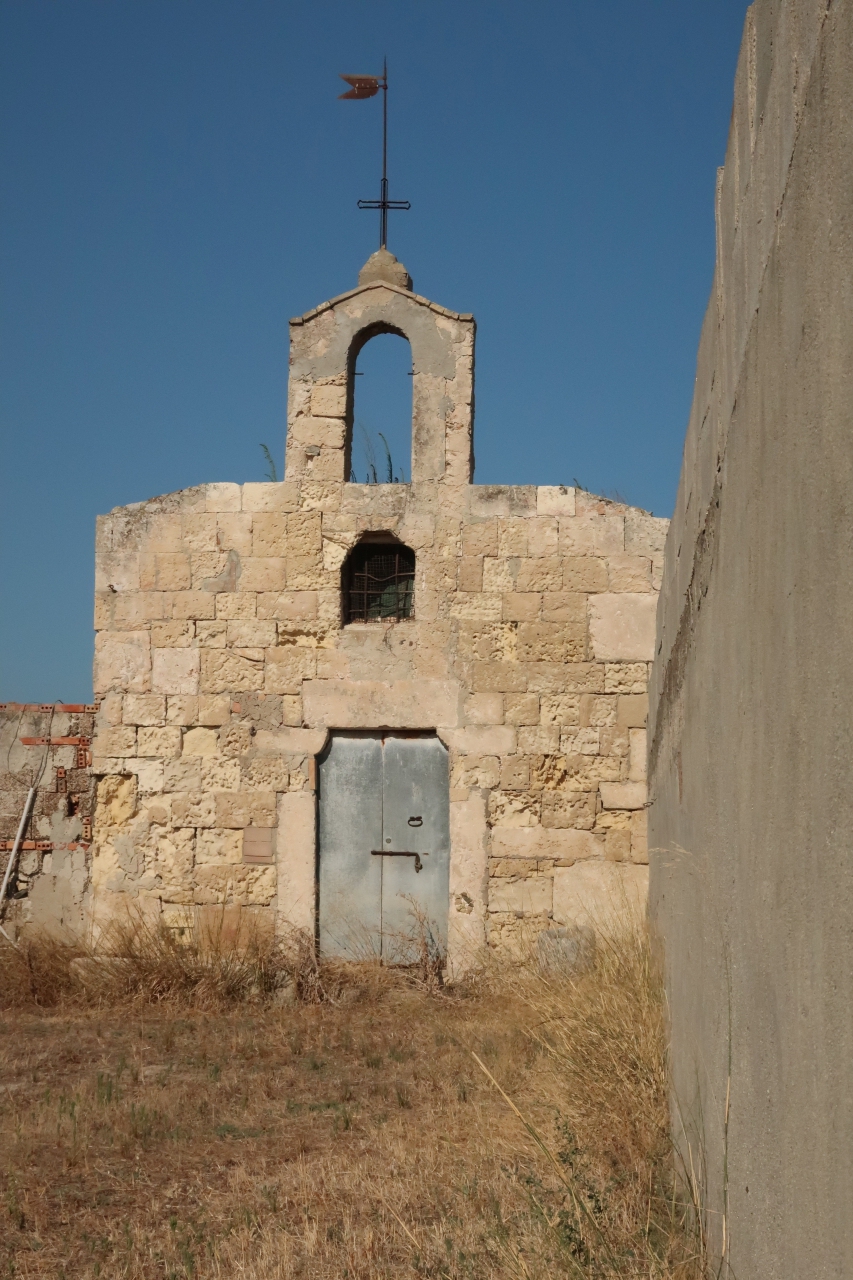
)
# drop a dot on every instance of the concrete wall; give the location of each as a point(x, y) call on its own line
point(222, 660)
point(751, 722)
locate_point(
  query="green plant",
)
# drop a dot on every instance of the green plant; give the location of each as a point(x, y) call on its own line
point(271, 472)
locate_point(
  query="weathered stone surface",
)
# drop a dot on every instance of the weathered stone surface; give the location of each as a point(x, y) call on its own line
point(224, 640)
point(622, 626)
point(607, 896)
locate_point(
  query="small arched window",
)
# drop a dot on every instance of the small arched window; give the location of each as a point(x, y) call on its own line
point(378, 582)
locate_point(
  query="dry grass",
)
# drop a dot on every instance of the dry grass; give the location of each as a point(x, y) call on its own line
point(166, 1115)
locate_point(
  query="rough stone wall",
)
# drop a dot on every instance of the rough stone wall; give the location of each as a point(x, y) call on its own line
point(222, 661)
point(50, 885)
point(751, 718)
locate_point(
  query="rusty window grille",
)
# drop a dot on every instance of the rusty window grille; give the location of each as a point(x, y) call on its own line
point(379, 583)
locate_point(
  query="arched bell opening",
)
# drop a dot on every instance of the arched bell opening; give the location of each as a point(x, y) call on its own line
point(379, 407)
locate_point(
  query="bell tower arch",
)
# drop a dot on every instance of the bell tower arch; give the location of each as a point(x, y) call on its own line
point(324, 345)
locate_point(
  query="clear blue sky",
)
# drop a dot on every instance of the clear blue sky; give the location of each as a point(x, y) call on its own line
point(179, 178)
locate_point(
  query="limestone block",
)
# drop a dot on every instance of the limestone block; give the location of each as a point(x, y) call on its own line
point(213, 709)
point(223, 670)
point(629, 573)
point(329, 400)
point(513, 809)
point(637, 756)
point(560, 708)
point(562, 810)
point(499, 574)
point(192, 605)
point(254, 633)
point(116, 801)
point(640, 836)
point(480, 538)
point(552, 641)
point(194, 809)
point(367, 704)
point(474, 771)
point(521, 606)
point(521, 708)
point(622, 626)
point(291, 709)
point(122, 661)
point(588, 772)
point(514, 773)
point(305, 572)
point(242, 886)
point(633, 710)
point(576, 677)
point(269, 534)
point(321, 495)
point(219, 774)
point(530, 897)
point(234, 533)
point(296, 742)
point(172, 635)
point(235, 739)
point(149, 775)
point(645, 535)
point(562, 846)
point(564, 606)
point(542, 574)
point(555, 500)
point(295, 860)
point(182, 709)
point(263, 573)
point(498, 677)
point(283, 606)
point(282, 495)
point(512, 537)
point(235, 605)
point(287, 666)
point(265, 773)
point(175, 671)
point(584, 574)
point(476, 605)
point(117, 741)
point(218, 845)
point(484, 708)
point(135, 608)
point(468, 881)
point(592, 534)
point(222, 497)
point(200, 742)
point(304, 534)
point(163, 743)
point(584, 742)
point(543, 537)
point(245, 809)
point(103, 617)
point(144, 708)
point(482, 740)
point(199, 531)
point(608, 896)
point(626, 677)
point(183, 775)
point(597, 711)
point(334, 554)
point(623, 795)
point(539, 738)
point(211, 635)
point(110, 710)
point(617, 844)
point(172, 572)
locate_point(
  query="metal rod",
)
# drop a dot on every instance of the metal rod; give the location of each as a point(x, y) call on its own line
point(383, 215)
point(13, 856)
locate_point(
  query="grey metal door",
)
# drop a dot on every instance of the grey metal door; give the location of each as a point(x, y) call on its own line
point(384, 846)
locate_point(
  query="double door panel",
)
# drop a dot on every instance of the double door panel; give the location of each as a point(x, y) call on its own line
point(384, 846)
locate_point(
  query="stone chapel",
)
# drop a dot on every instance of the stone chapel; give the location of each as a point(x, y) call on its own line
point(347, 707)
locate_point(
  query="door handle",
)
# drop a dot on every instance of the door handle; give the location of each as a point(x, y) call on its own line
point(416, 822)
point(399, 853)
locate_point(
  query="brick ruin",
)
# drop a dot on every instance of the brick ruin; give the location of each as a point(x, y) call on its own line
point(223, 661)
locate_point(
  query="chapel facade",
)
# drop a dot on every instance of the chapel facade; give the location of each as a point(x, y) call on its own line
point(345, 707)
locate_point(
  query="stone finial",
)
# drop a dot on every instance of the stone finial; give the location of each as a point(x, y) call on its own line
point(382, 265)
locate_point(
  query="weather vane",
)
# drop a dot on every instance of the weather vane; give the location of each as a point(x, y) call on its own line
point(368, 87)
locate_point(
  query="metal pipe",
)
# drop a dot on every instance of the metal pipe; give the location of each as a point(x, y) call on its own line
point(13, 856)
